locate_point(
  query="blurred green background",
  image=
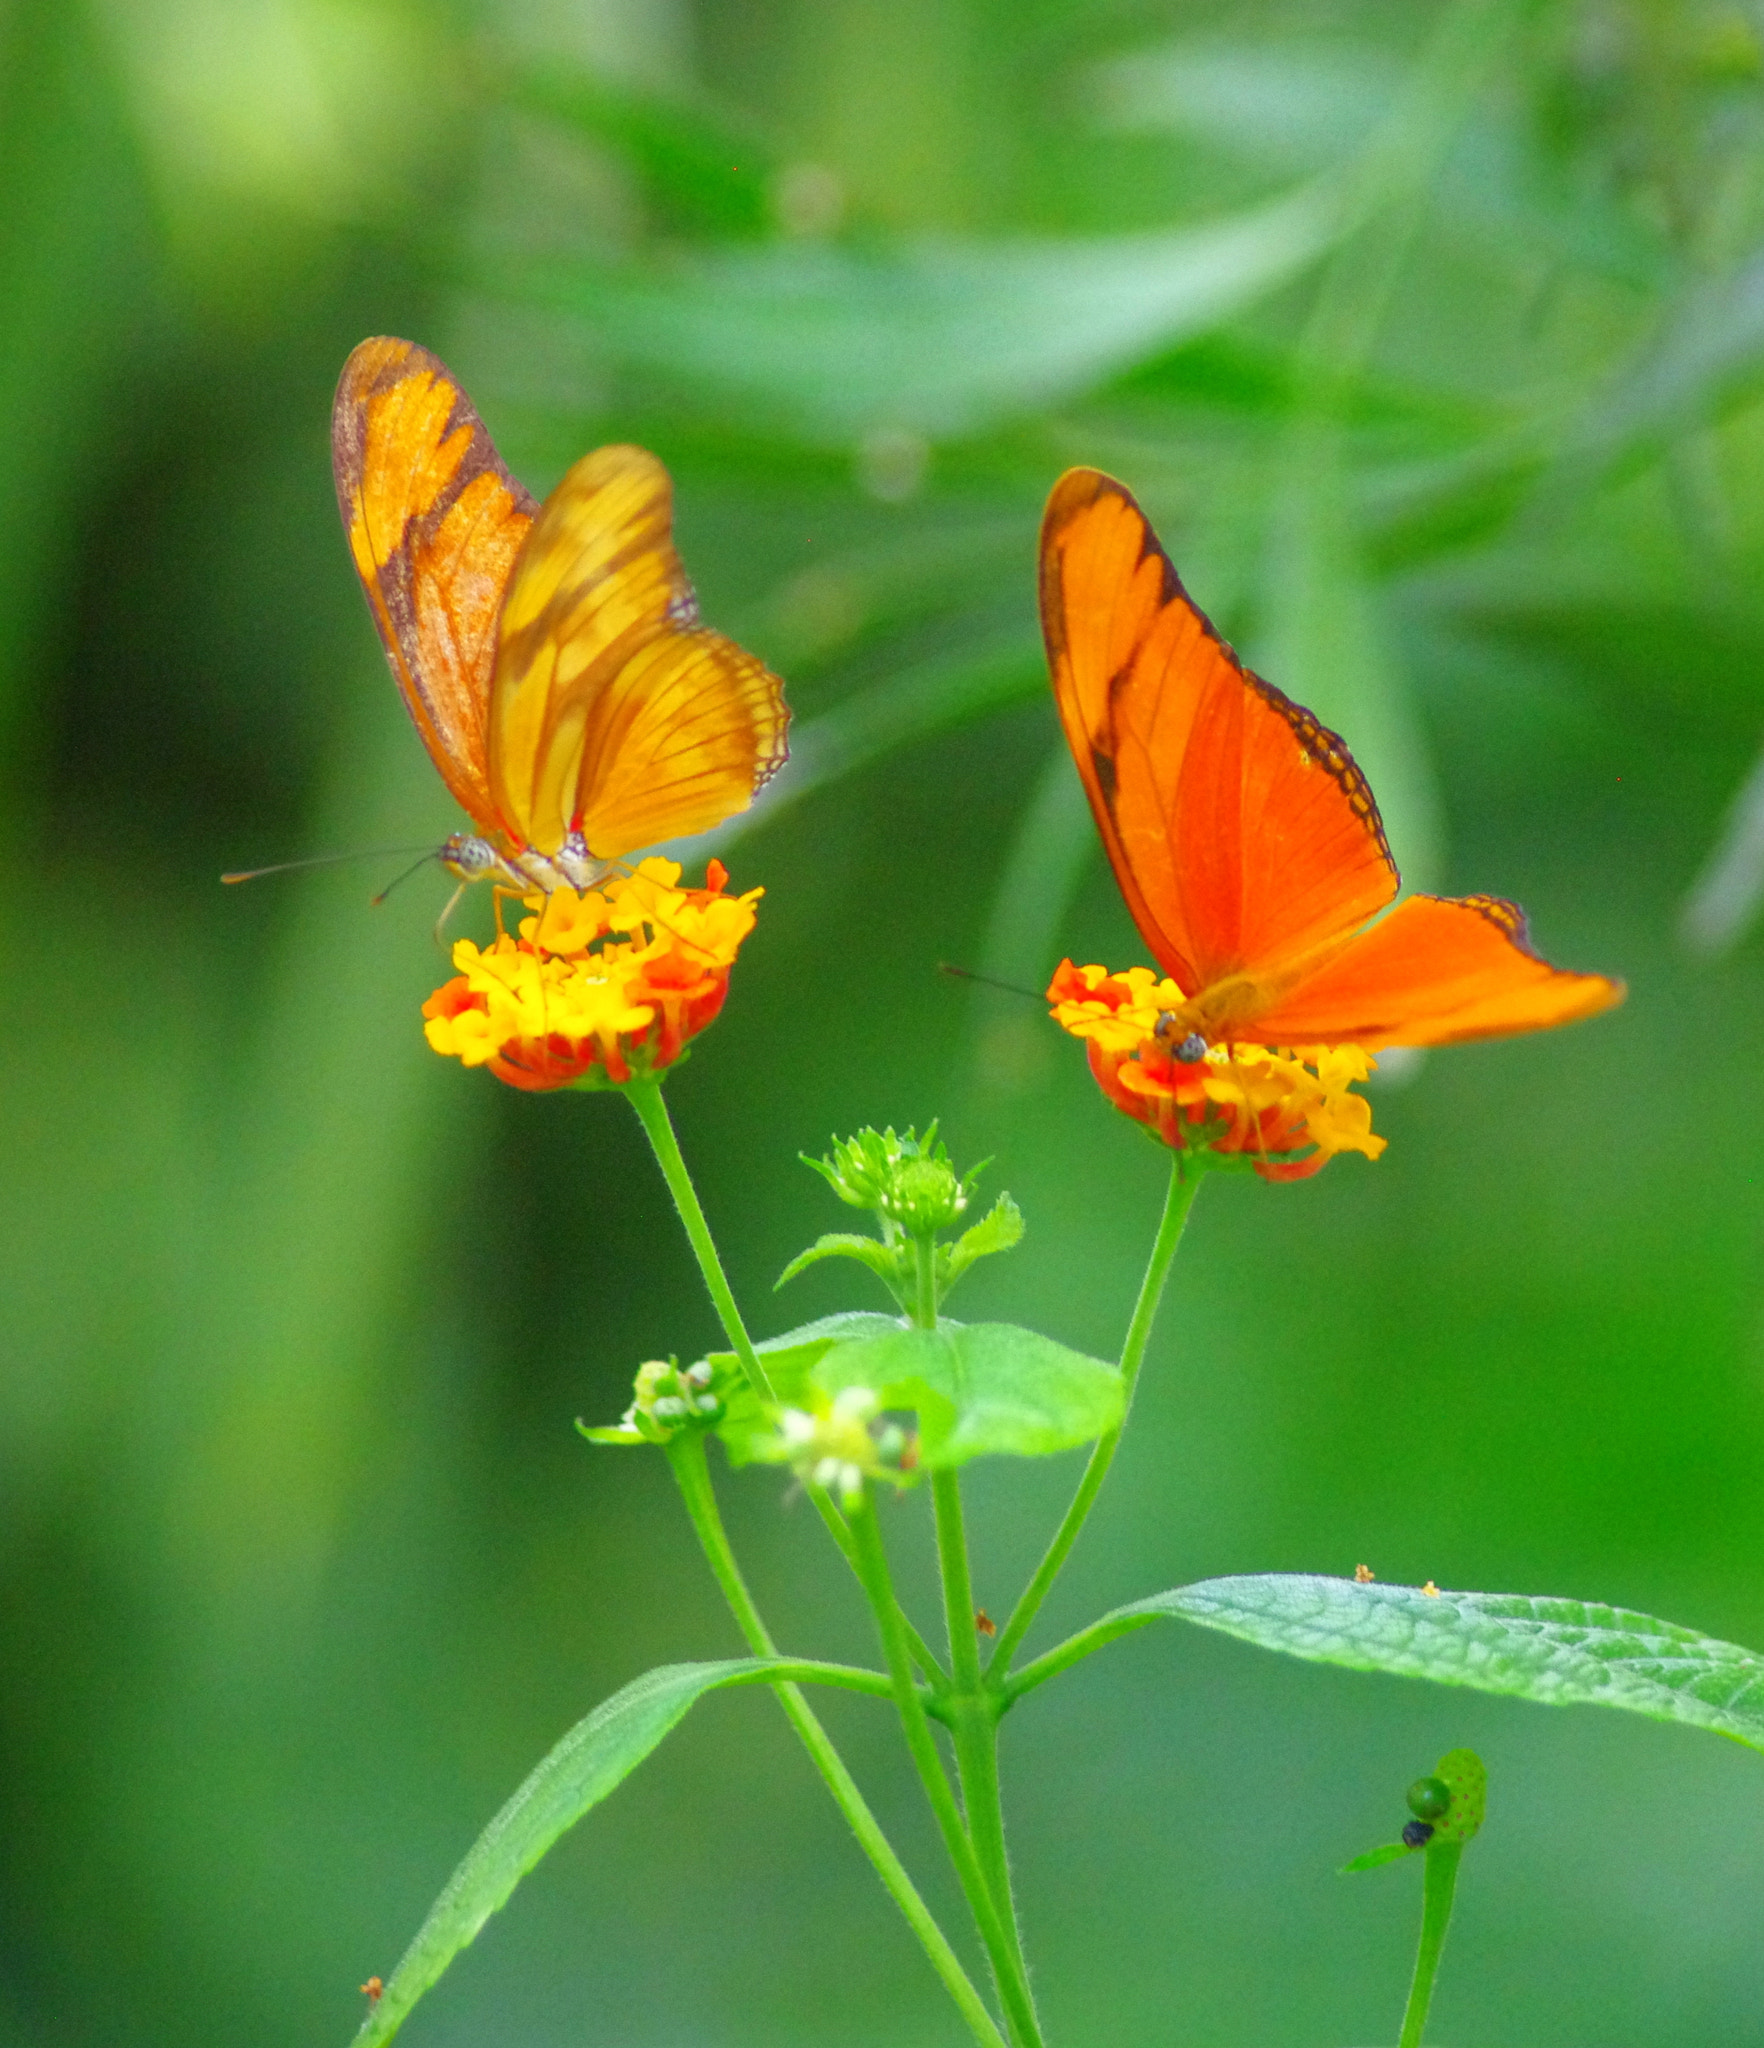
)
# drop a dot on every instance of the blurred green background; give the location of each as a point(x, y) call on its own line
point(1433, 336)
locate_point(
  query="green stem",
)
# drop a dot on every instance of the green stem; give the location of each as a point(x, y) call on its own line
point(973, 1712)
point(925, 1282)
point(812, 1671)
point(692, 1472)
point(1438, 1883)
point(1072, 1651)
point(924, 1656)
point(1178, 1200)
point(645, 1097)
point(878, 1583)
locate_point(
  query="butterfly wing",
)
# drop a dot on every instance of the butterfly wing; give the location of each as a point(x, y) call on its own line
point(435, 523)
point(612, 708)
point(1436, 970)
point(1241, 832)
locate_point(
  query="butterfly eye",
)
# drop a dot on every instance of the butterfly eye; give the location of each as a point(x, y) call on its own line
point(1192, 1048)
point(469, 856)
point(1417, 1834)
point(1429, 1799)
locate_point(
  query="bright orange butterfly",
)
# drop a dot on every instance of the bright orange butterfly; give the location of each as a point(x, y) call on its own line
point(1242, 834)
point(551, 656)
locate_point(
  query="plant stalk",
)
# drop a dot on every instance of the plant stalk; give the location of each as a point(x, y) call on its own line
point(878, 1583)
point(1438, 1882)
point(647, 1100)
point(973, 1711)
point(645, 1097)
point(691, 1469)
point(1178, 1200)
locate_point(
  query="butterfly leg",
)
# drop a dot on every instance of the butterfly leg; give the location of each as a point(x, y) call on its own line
point(447, 910)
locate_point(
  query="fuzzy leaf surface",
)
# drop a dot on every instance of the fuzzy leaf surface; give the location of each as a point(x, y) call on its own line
point(1558, 1652)
point(981, 1389)
point(593, 1759)
point(788, 1361)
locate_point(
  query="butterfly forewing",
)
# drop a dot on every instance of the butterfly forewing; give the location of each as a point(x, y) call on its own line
point(613, 710)
point(1105, 617)
point(1436, 970)
point(1240, 832)
point(435, 523)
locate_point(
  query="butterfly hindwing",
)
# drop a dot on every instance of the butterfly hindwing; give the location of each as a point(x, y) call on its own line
point(435, 522)
point(1241, 832)
point(613, 709)
point(1437, 970)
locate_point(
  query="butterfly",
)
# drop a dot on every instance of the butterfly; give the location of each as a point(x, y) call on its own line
point(1243, 836)
point(550, 655)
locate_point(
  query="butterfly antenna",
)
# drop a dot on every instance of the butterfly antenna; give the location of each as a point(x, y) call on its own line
point(1010, 988)
point(320, 860)
point(406, 875)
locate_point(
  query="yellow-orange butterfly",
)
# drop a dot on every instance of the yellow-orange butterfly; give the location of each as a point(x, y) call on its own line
point(1244, 837)
point(550, 655)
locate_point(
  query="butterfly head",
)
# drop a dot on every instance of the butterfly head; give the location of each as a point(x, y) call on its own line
point(470, 857)
point(525, 870)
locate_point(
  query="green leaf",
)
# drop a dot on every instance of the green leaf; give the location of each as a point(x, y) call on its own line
point(702, 173)
point(788, 1360)
point(612, 1433)
point(939, 337)
point(1375, 1859)
point(1557, 1652)
point(997, 1231)
point(882, 1260)
point(981, 1388)
point(593, 1759)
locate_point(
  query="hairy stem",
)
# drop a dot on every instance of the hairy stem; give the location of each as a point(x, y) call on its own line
point(692, 1472)
point(1178, 1200)
point(973, 1712)
point(1013, 1988)
point(645, 1097)
point(1438, 1882)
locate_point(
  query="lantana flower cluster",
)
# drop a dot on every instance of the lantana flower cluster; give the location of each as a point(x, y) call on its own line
point(599, 988)
point(1288, 1111)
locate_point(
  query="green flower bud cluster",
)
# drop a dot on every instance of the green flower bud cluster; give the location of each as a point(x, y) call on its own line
point(667, 1397)
point(906, 1179)
point(908, 1183)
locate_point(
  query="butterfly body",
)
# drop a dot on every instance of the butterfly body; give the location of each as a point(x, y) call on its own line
point(1245, 839)
point(522, 869)
point(551, 656)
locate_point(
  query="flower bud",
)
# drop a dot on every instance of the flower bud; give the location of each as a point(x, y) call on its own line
point(666, 1399)
point(861, 1169)
point(924, 1196)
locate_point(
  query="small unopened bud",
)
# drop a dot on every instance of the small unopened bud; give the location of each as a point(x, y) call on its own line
point(924, 1196)
point(664, 1397)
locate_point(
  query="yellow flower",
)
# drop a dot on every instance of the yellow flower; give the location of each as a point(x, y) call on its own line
point(598, 988)
point(1290, 1111)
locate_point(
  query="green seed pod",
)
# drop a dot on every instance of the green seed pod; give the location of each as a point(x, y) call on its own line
point(1429, 1799)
